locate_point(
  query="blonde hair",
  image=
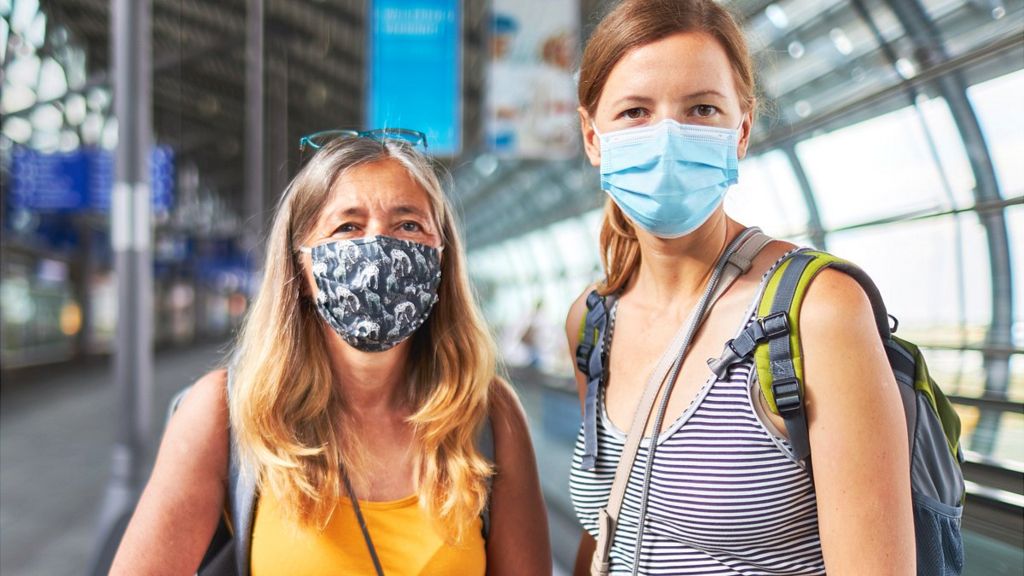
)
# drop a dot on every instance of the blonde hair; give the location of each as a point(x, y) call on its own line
point(285, 407)
point(635, 23)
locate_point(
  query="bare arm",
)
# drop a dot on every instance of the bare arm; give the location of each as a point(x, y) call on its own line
point(857, 432)
point(585, 552)
point(182, 503)
point(518, 542)
point(584, 555)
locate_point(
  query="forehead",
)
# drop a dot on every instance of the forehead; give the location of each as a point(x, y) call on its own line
point(683, 63)
point(375, 187)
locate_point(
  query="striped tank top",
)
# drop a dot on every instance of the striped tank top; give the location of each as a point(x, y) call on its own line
point(726, 495)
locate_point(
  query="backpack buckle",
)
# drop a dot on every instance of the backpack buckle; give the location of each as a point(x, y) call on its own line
point(774, 325)
point(787, 394)
point(583, 350)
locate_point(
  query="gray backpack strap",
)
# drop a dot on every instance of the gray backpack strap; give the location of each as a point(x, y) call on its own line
point(590, 361)
point(242, 495)
point(485, 444)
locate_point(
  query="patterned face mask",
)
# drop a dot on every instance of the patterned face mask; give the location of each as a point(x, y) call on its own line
point(376, 291)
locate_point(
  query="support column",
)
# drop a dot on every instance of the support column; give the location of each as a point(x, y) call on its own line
point(130, 233)
point(254, 169)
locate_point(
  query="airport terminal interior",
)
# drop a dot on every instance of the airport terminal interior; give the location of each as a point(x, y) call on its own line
point(889, 132)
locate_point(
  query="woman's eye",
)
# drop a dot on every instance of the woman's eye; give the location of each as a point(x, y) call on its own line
point(634, 113)
point(411, 227)
point(346, 227)
point(704, 110)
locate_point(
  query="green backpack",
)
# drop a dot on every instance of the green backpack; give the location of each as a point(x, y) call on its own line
point(773, 340)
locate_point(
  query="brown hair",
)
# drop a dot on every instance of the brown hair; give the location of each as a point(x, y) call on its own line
point(635, 23)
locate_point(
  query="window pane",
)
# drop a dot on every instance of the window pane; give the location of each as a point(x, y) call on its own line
point(768, 196)
point(957, 372)
point(574, 245)
point(817, 55)
point(545, 255)
point(1000, 111)
point(915, 265)
point(1015, 225)
point(966, 25)
point(1016, 391)
point(885, 166)
point(998, 435)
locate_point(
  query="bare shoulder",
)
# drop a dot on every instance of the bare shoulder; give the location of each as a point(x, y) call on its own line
point(839, 337)
point(186, 491)
point(199, 426)
point(518, 541)
point(507, 415)
point(835, 302)
point(208, 393)
point(768, 257)
point(203, 410)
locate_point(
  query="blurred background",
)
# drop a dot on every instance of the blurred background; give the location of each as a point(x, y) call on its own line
point(144, 145)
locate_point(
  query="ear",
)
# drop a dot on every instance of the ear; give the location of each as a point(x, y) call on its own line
point(303, 276)
point(591, 142)
point(745, 127)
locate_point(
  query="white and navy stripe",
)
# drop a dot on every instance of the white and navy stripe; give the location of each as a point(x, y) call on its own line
point(726, 496)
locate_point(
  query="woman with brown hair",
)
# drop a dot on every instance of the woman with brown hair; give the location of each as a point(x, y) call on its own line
point(667, 103)
point(361, 384)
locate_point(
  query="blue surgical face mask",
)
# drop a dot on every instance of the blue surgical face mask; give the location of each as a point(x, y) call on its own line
point(669, 177)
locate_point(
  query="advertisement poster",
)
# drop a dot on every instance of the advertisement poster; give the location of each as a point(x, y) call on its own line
point(531, 92)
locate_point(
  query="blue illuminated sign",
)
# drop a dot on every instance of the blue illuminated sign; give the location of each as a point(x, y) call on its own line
point(81, 181)
point(161, 172)
point(49, 182)
point(414, 69)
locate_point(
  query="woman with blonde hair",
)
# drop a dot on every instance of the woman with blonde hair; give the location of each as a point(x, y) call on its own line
point(713, 485)
point(359, 401)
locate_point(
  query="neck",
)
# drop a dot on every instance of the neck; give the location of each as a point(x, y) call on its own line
point(372, 383)
point(673, 272)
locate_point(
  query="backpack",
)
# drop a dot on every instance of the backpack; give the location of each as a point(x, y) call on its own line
point(773, 339)
point(229, 549)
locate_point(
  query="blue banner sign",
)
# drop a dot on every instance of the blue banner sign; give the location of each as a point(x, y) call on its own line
point(81, 181)
point(161, 172)
point(49, 182)
point(415, 70)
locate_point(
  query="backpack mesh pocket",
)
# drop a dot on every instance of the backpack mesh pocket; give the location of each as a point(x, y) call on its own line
point(940, 548)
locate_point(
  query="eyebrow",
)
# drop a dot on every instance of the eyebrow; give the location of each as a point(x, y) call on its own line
point(646, 100)
point(408, 209)
point(704, 93)
point(632, 99)
point(400, 210)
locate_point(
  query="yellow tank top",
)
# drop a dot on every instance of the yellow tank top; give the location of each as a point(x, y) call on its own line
point(405, 539)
